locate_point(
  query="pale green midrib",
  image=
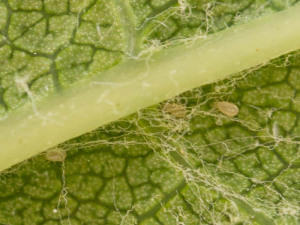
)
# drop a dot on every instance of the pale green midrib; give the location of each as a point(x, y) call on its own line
point(138, 84)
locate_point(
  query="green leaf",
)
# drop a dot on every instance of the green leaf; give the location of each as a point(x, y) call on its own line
point(156, 166)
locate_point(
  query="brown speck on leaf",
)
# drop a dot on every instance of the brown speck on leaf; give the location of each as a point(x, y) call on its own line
point(56, 155)
point(227, 108)
point(175, 109)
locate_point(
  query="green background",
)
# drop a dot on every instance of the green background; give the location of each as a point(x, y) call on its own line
point(150, 167)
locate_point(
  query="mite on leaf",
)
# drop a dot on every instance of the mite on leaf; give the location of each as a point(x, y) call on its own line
point(175, 109)
point(227, 108)
point(56, 155)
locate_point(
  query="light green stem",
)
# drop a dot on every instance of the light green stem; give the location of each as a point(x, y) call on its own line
point(133, 85)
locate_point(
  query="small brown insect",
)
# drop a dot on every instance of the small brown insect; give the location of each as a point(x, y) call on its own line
point(56, 155)
point(227, 108)
point(175, 109)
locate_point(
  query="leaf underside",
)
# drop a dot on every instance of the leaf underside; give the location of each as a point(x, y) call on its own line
point(150, 167)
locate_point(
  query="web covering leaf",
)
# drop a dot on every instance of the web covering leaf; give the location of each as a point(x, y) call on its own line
point(153, 167)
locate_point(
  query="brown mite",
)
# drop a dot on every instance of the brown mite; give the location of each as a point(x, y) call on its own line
point(175, 109)
point(227, 108)
point(56, 155)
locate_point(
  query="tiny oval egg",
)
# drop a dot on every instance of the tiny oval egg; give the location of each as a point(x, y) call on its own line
point(228, 108)
point(56, 155)
point(175, 110)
